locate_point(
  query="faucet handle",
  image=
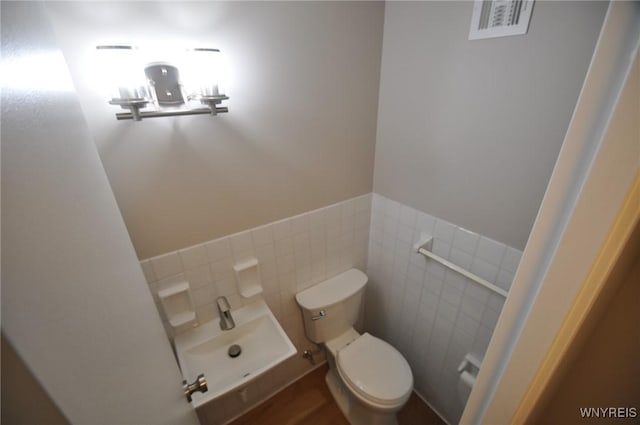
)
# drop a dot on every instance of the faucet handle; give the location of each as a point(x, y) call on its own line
point(200, 384)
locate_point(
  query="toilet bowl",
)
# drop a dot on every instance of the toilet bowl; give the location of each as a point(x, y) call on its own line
point(369, 379)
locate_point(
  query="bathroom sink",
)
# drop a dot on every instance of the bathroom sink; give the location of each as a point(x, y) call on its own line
point(206, 349)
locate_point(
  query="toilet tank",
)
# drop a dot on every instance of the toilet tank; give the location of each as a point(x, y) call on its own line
point(331, 307)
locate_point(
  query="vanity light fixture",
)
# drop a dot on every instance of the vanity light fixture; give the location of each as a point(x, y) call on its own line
point(167, 88)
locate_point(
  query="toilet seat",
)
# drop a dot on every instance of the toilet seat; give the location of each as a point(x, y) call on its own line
point(375, 371)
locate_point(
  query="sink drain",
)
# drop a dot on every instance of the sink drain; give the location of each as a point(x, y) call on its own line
point(234, 350)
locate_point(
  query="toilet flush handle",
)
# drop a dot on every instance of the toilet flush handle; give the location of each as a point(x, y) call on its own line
point(321, 314)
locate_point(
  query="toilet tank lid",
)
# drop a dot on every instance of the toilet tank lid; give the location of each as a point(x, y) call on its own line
point(333, 290)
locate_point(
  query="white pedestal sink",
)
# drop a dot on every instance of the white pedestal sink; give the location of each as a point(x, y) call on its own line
point(205, 349)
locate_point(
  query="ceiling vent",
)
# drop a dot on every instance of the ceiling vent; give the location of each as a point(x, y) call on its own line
point(499, 18)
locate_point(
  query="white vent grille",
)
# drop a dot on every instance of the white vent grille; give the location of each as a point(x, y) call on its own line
point(499, 18)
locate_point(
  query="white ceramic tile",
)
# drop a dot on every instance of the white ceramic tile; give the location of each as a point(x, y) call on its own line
point(241, 244)
point(347, 239)
point(442, 330)
point(300, 224)
point(284, 246)
point(203, 295)
point(444, 231)
point(377, 203)
point(235, 301)
point(206, 313)
point(318, 270)
point(265, 253)
point(316, 218)
point(199, 276)
point(472, 307)
point(495, 302)
point(408, 216)
point(428, 306)
point(303, 276)
point(282, 229)
point(287, 283)
point(285, 263)
point(218, 249)
point(451, 295)
point(456, 280)
point(465, 240)
point(447, 310)
point(436, 270)
point(332, 216)
point(147, 269)
point(363, 203)
point(490, 251)
point(347, 223)
point(425, 222)
point(390, 226)
point(193, 256)
point(288, 305)
point(405, 233)
point(377, 220)
point(334, 264)
point(333, 233)
point(262, 235)
point(302, 257)
point(361, 236)
point(460, 345)
point(269, 282)
point(348, 207)
point(460, 258)
point(273, 301)
point(416, 274)
point(362, 219)
point(417, 260)
point(504, 280)
point(168, 282)
point(511, 259)
point(302, 242)
point(166, 265)
point(441, 248)
point(226, 287)
point(433, 285)
point(392, 208)
point(481, 342)
point(485, 270)
point(467, 324)
point(478, 292)
point(489, 318)
point(221, 269)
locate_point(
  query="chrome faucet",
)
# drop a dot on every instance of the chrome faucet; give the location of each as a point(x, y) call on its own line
point(200, 384)
point(224, 311)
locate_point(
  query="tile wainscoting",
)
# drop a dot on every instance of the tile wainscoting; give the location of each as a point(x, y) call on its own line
point(293, 254)
point(433, 315)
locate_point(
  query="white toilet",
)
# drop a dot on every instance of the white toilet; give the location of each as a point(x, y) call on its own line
point(369, 379)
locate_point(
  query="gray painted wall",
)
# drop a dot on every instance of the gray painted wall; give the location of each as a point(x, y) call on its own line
point(300, 133)
point(75, 305)
point(469, 131)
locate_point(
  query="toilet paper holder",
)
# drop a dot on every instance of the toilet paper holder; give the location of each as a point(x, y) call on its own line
point(470, 364)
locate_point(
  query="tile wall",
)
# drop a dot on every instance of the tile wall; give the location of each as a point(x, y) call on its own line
point(433, 315)
point(293, 254)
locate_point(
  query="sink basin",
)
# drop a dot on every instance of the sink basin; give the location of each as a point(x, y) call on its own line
point(205, 349)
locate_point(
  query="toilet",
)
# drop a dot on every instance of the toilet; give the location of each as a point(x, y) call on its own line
point(369, 379)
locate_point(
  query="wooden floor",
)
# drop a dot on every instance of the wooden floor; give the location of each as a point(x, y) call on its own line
point(309, 402)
